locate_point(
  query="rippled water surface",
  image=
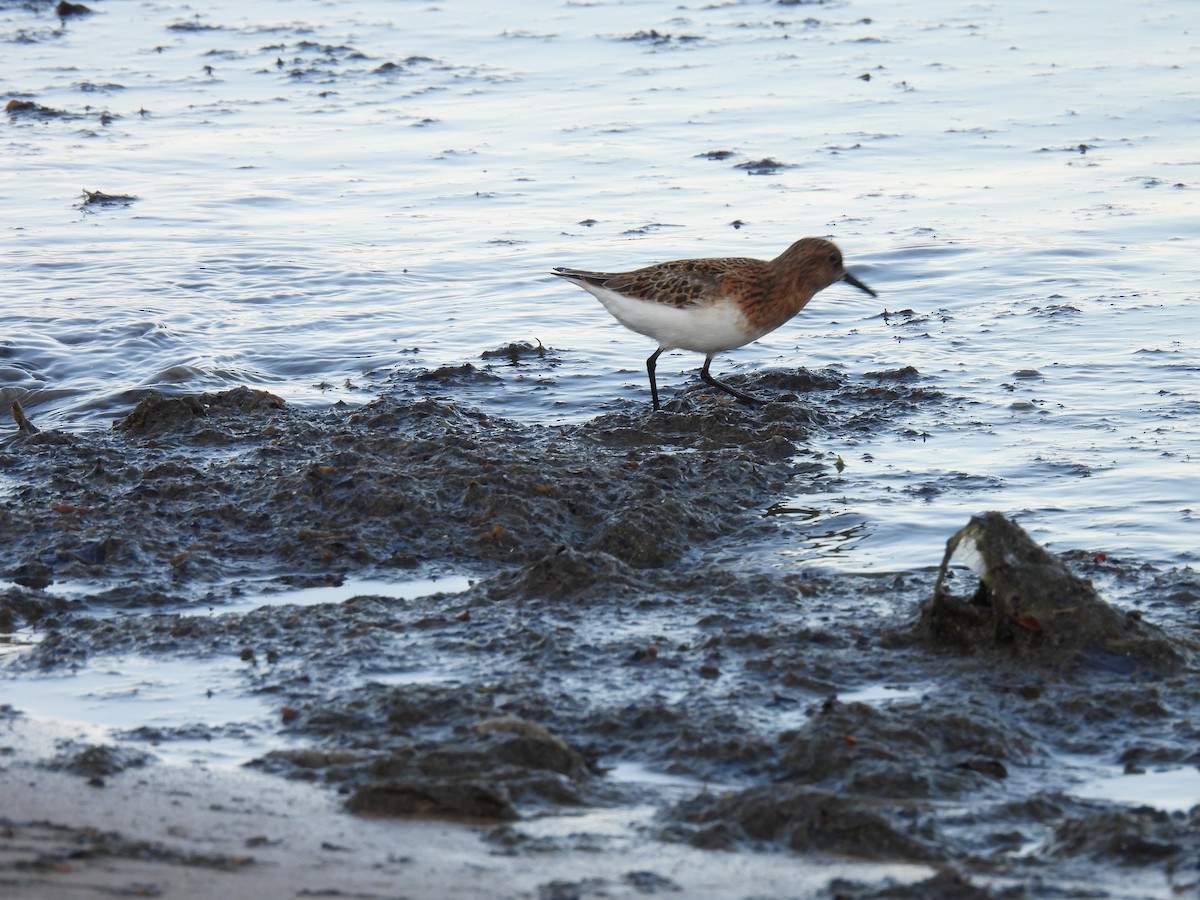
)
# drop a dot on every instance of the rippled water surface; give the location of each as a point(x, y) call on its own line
point(328, 193)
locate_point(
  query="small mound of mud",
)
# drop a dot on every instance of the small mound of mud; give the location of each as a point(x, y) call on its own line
point(700, 418)
point(47, 847)
point(764, 166)
point(1135, 837)
point(801, 818)
point(32, 607)
point(484, 772)
point(501, 762)
point(157, 414)
point(904, 373)
point(450, 799)
point(851, 779)
point(98, 760)
point(947, 884)
point(929, 750)
point(446, 753)
point(567, 572)
point(1029, 603)
point(455, 376)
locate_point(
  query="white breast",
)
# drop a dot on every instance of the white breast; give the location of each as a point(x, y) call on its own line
point(705, 329)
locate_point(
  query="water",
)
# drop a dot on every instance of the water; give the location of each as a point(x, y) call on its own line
point(243, 597)
point(1172, 790)
point(202, 704)
point(209, 706)
point(354, 189)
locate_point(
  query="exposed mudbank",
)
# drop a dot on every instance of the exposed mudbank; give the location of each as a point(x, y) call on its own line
point(190, 489)
point(623, 612)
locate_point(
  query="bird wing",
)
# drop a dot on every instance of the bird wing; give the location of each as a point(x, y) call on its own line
point(682, 284)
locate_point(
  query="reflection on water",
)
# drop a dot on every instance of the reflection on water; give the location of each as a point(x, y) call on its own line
point(826, 535)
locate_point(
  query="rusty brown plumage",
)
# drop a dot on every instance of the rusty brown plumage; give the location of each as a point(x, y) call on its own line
point(709, 305)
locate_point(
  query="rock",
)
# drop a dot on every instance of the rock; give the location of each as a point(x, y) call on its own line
point(1030, 604)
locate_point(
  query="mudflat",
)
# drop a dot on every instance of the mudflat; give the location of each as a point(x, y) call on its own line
point(626, 696)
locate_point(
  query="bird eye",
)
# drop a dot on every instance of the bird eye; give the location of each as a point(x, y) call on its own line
point(835, 259)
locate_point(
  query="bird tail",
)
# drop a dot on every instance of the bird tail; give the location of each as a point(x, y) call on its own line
point(582, 276)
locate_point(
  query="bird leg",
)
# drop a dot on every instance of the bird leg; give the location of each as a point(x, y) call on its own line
point(650, 364)
point(741, 395)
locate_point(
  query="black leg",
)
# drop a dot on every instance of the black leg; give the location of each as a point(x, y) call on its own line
point(708, 376)
point(650, 364)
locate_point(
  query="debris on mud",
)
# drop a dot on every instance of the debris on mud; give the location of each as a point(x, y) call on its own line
point(516, 351)
point(764, 166)
point(99, 198)
point(31, 108)
point(657, 39)
point(24, 426)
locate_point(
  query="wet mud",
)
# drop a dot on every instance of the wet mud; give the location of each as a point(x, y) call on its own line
point(628, 606)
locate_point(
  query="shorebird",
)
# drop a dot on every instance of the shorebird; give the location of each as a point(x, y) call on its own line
point(711, 305)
